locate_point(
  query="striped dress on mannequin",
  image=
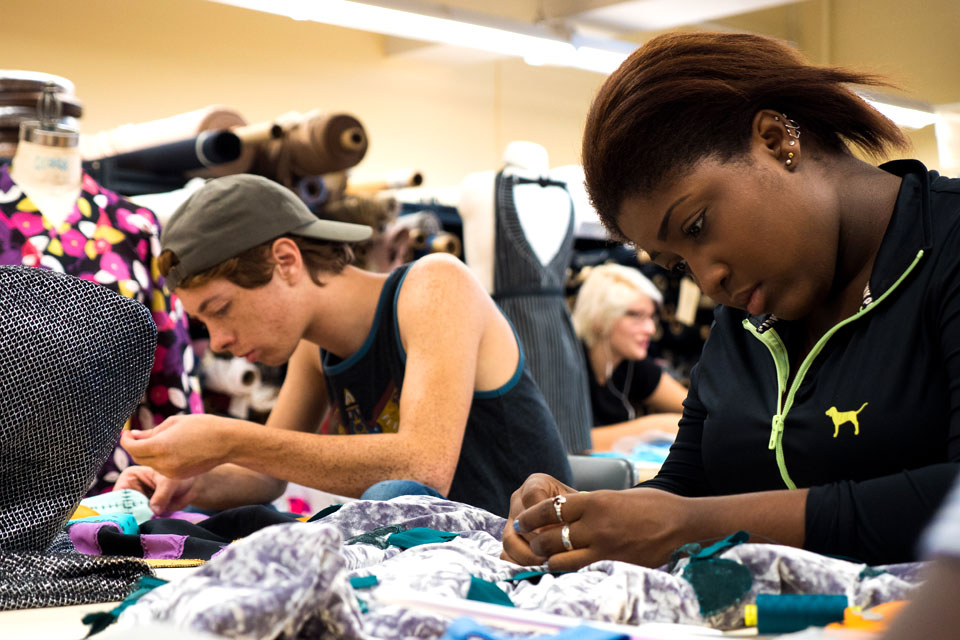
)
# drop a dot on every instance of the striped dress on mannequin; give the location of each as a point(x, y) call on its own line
point(531, 295)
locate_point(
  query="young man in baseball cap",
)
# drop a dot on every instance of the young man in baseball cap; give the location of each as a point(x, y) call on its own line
point(423, 376)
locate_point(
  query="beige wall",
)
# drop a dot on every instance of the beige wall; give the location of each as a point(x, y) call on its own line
point(135, 60)
point(913, 44)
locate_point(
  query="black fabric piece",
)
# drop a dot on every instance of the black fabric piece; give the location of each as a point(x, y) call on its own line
point(205, 150)
point(204, 539)
point(30, 580)
point(323, 513)
point(874, 485)
point(509, 435)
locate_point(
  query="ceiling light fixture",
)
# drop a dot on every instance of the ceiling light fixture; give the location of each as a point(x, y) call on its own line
point(537, 45)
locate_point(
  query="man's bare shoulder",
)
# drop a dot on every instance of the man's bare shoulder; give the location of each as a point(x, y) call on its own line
point(443, 270)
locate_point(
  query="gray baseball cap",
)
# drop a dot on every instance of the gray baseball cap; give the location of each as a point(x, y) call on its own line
point(229, 215)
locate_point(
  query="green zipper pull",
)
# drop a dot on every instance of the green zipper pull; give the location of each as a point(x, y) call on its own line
point(776, 428)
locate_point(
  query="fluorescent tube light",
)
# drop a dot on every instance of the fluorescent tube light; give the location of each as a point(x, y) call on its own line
point(419, 20)
point(906, 117)
point(418, 26)
point(909, 114)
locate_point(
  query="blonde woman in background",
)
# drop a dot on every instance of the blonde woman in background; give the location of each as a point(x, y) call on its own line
point(615, 316)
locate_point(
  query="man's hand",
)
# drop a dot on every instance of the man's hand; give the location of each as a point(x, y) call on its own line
point(181, 446)
point(535, 489)
point(166, 494)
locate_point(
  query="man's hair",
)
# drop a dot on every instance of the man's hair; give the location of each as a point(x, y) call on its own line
point(683, 97)
point(254, 267)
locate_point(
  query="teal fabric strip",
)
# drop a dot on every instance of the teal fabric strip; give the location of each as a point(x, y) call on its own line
point(100, 621)
point(533, 575)
point(730, 541)
point(418, 536)
point(485, 591)
point(323, 513)
point(364, 582)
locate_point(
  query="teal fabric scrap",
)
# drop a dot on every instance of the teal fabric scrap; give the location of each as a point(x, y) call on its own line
point(717, 547)
point(121, 501)
point(377, 537)
point(418, 536)
point(870, 572)
point(126, 522)
point(717, 582)
point(100, 621)
point(533, 576)
point(323, 513)
point(364, 582)
point(364, 607)
point(485, 591)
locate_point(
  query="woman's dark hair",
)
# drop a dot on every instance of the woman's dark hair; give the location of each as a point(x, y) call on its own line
point(682, 97)
point(254, 267)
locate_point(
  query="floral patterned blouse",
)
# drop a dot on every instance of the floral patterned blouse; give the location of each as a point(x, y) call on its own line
point(110, 240)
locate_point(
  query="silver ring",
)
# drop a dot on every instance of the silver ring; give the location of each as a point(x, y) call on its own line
point(558, 505)
point(565, 537)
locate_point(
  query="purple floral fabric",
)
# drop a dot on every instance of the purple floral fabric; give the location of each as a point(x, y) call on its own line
point(112, 241)
point(293, 580)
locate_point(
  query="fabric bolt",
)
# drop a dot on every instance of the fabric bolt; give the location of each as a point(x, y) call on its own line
point(872, 426)
point(109, 240)
point(531, 295)
point(509, 432)
point(296, 578)
point(630, 384)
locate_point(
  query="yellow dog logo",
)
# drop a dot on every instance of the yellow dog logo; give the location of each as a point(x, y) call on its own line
point(840, 417)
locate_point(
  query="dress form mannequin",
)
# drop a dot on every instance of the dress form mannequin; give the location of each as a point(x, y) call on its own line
point(518, 239)
point(47, 165)
point(54, 216)
point(543, 211)
point(586, 221)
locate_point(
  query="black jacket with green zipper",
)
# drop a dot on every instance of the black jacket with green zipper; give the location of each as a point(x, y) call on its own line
point(871, 420)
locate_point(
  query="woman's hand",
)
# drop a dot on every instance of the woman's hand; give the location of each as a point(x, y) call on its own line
point(640, 526)
point(535, 489)
point(166, 494)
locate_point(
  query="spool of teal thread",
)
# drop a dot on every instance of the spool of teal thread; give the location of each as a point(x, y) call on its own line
point(795, 612)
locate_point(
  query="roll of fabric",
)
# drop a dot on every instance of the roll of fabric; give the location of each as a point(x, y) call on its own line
point(399, 179)
point(320, 143)
point(207, 150)
point(16, 80)
point(234, 376)
point(133, 137)
point(313, 191)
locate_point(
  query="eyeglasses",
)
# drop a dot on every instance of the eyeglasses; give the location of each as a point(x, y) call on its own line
point(640, 316)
